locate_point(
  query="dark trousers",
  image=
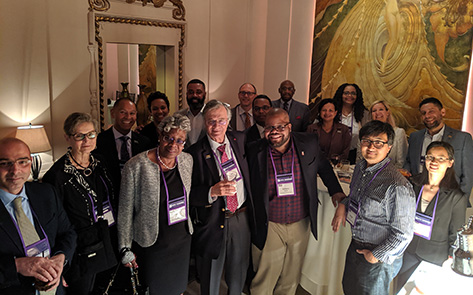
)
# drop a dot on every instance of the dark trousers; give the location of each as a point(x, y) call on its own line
point(361, 277)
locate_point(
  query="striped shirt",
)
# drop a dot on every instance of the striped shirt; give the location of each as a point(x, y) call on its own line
point(387, 209)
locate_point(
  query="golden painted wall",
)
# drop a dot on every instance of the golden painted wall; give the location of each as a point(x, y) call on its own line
point(397, 51)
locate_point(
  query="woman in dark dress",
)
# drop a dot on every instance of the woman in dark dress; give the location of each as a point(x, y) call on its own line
point(439, 198)
point(153, 215)
point(87, 193)
point(158, 105)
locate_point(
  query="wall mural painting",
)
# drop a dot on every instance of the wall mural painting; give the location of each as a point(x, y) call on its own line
point(147, 71)
point(395, 50)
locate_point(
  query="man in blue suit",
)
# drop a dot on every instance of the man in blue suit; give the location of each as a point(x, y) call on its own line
point(432, 113)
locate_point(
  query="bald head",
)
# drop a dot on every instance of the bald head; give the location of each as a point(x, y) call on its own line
point(279, 113)
point(9, 142)
point(287, 90)
point(15, 165)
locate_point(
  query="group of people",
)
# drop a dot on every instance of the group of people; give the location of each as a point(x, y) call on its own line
point(237, 187)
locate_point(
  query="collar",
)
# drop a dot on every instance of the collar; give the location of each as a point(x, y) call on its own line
point(191, 115)
point(117, 134)
point(375, 167)
point(438, 134)
point(214, 145)
point(7, 198)
point(241, 111)
point(288, 103)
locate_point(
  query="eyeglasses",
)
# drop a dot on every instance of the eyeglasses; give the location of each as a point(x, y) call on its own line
point(279, 128)
point(438, 159)
point(376, 143)
point(23, 162)
point(287, 88)
point(172, 140)
point(221, 122)
point(246, 93)
point(81, 136)
point(349, 93)
point(257, 109)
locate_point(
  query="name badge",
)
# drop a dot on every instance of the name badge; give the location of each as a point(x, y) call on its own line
point(108, 214)
point(285, 185)
point(38, 249)
point(177, 210)
point(352, 214)
point(230, 168)
point(423, 225)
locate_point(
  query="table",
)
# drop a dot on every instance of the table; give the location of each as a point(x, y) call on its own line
point(324, 262)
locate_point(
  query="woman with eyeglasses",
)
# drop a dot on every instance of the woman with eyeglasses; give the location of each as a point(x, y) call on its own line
point(441, 208)
point(154, 228)
point(349, 100)
point(87, 192)
point(379, 110)
point(158, 105)
point(334, 137)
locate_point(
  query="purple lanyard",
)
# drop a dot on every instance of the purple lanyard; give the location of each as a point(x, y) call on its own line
point(166, 186)
point(436, 200)
point(108, 201)
point(366, 187)
point(274, 166)
point(21, 236)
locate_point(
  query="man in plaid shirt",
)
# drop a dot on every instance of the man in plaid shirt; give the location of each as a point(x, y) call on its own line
point(283, 169)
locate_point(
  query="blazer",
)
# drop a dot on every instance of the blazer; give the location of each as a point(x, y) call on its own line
point(449, 217)
point(340, 140)
point(252, 134)
point(463, 147)
point(299, 114)
point(209, 218)
point(47, 206)
point(107, 149)
point(233, 120)
point(312, 163)
point(138, 207)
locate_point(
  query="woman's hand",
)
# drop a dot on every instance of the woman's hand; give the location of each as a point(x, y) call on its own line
point(129, 259)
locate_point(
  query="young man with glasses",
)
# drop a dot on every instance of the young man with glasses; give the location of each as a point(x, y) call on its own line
point(242, 114)
point(380, 209)
point(261, 106)
point(284, 170)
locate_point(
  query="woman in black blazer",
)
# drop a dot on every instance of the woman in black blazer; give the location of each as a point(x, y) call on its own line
point(439, 198)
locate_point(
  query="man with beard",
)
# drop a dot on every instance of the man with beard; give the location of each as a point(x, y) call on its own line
point(284, 170)
point(195, 96)
point(242, 115)
point(432, 113)
point(299, 113)
point(261, 106)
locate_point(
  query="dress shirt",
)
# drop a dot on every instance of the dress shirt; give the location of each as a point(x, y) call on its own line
point(119, 141)
point(197, 124)
point(7, 200)
point(289, 102)
point(387, 209)
point(240, 122)
point(427, 140)
point(261, 130)
point(240, 187)
point(288, 209)
point(350, 121)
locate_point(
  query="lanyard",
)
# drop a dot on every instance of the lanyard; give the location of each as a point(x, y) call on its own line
point(436, 201)
point(21, 236)
point(274, 166)
point(229, 167)
point(107, 201)
point(172, 221)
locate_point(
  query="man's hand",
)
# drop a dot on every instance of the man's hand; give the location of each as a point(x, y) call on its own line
point(40, 268)
point(339, 217)
point(58, 264)
point(368, 255)
point(223, 188)
point(336, 198)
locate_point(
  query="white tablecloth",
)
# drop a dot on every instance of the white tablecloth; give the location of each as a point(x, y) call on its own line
point(322, 271)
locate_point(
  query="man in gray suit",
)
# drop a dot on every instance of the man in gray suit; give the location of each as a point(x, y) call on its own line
point(242, 114)
point(299, 113)
point(432, 113)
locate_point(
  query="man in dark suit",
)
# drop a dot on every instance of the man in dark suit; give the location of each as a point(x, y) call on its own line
point(242, 115)
point(221, 203)
point(119, 143)
point(299, 113)
point(432, 113)
point(261, 106)
point(48, 238)
point(284, 169)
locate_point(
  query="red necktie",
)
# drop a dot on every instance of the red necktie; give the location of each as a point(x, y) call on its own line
point(232, 201)
point(247, 120)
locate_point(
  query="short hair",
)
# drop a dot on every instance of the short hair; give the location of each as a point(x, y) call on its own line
point(431, 100)
point(196, 81)
point(177, 120)
point(254, 87)
point(358, 107)
point(215, 104)
point(262, 96)
point(74, 119)
point(449, 180)
point(157, 95)
point(7, 140)
point(386, 106)
point(118, 101)
point(376, 127)
point(324, 102)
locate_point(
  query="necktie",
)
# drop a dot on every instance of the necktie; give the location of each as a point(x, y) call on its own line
point(28, 232)
point(124, 155)
point(247, 120)
point(232, 201)
point(286, 106)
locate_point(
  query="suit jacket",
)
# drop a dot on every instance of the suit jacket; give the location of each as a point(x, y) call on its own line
point(340, 140)
point(209, 218)
point(252, 134)
point(299, 114)
point(46, 204)
point(107, 149)
point(233, 120)
point(312, 162)
point(463, 148)
point(449, 217)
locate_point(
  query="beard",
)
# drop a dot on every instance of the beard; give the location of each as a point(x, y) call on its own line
point(432, 125)
point(283, 140)
point(195, 103)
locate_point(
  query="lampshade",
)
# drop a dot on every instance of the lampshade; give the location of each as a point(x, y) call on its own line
point(35, 137)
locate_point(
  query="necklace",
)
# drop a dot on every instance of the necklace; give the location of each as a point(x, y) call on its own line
point(162, 163)
point(432, 187)
point(87, 171)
